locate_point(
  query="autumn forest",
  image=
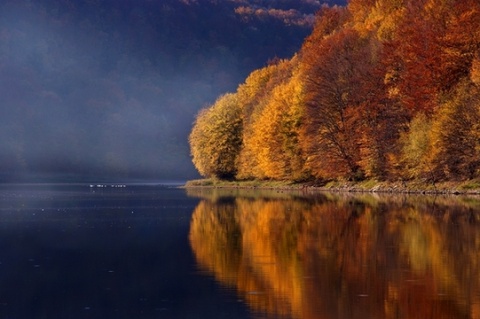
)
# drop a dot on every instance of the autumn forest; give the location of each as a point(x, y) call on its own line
point(381, 89)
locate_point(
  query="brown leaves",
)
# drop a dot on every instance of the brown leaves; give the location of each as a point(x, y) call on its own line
point(385, 89)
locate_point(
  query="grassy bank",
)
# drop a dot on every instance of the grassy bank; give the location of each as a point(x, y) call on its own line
point(414, 187)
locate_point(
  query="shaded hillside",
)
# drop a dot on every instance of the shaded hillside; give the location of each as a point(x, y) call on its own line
point(109, 89)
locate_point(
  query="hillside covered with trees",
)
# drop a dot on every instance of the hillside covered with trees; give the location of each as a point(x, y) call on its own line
point(381, 89)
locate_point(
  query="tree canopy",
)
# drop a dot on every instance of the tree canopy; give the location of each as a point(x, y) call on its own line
point(380, 89)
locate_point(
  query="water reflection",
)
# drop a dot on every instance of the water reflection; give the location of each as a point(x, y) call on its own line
point(328, 256)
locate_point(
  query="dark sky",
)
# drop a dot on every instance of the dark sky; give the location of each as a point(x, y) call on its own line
point(108, 89)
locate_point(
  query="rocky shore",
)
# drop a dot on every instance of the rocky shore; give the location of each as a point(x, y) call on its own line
point(471, 187)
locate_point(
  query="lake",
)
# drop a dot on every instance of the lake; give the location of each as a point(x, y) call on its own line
point(157, 251)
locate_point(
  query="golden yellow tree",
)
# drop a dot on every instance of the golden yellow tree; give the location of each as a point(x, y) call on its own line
point(216, 138)
point(275, 138)
point(415, 144)
point(455, 136)
point(254, 96)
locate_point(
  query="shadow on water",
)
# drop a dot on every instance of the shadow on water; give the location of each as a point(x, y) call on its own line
point(291, 255)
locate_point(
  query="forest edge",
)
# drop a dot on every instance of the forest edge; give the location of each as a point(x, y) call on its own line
point(471, 187)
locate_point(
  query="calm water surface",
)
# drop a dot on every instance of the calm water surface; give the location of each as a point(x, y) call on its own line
point(71, 251)
point(342, 257)
point(75, 251)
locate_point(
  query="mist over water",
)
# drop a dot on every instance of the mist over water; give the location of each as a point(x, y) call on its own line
point(109, 89)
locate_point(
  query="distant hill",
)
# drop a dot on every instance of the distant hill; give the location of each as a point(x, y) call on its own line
point(109, 89)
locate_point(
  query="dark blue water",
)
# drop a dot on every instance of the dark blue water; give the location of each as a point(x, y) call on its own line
point(151, 251)
point(82, 251)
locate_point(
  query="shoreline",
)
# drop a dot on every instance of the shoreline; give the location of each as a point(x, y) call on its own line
point(470, 188)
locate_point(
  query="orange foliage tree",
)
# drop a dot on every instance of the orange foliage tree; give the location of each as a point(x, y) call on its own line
point(381, 89)
point(334, 71)
point(254, 96)
point(414, 59)
point(461, 41)
point(432, 50)
point(275, 141)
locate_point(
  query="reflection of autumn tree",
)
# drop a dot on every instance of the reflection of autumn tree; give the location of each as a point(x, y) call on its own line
point(352, 258)
point(442, 261)
point(216, 241)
